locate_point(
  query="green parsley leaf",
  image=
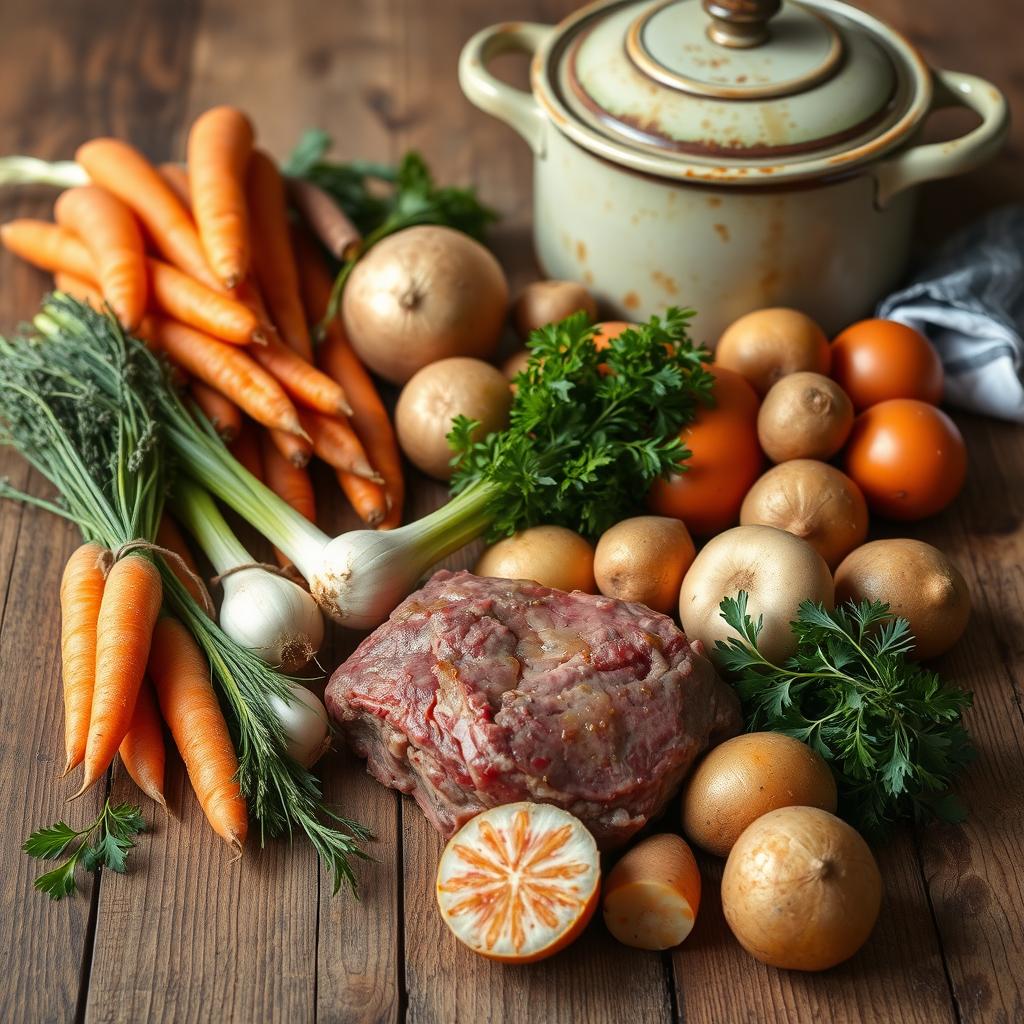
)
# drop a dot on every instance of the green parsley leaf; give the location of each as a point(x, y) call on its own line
point(890, 729)
point(589, 430)
point(105, 842)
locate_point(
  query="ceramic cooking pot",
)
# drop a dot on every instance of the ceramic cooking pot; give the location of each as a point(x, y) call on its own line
point(728, 154)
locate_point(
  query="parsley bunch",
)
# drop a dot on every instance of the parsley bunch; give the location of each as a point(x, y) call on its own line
point(105, 842)
point(889, 728)
point(590, 429)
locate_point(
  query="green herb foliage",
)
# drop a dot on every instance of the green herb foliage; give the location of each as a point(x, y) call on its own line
point(889, 728)
point(381, 199)
point(93, 411)
point(105, 842)
point(589, 430)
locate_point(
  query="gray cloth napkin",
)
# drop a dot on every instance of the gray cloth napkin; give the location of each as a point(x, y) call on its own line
point(969, 301)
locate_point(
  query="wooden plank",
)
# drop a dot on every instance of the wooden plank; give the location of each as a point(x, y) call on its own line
point(57, 63)
point(169, 934)
point(974, 872)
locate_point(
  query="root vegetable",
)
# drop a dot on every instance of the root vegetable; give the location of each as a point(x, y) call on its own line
point(652, 895)
point(551, 555)
point(547, 302)
point(421, 295)
point(435, 396)
point(515, 364)
point(748, 776)
point(644, 559)
point(804, 416)
point(801, 889)
point(918, 582)
point(777, 571)
point(768, 344)
point(811, 500)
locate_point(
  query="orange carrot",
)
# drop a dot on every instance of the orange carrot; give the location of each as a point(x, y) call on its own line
point(84, 291)
point(272, 256)
point(219, 146)
point(176, 177)
point(184, 298)
point(336, 357)
point(142, 750)
point(297, 450)
point(131, 601)
point(124, 171)
point(229, 370)
point(81, 591)
point(288, 481)
point(222, 413)
point(336, 443)
point(246, 449)
point(181, 678)
point(109, 231)
point(367, 498)
point(48, 246)
point(303, 381)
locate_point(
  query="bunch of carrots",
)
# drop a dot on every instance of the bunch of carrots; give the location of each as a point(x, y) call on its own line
point(210, 264)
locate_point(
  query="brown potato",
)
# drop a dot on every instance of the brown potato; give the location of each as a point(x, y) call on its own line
point(644, 559)
point(435, 396)
point(767, 344)
point(804, 416)
point(547, 302)
point(747, 776)
point(918, 582)
point(550, 555)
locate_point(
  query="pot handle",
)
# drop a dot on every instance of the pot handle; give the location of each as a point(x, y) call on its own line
point(515, 107)
point(957, 156)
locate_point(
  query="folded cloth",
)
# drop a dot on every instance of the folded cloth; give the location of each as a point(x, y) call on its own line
point(969, 301)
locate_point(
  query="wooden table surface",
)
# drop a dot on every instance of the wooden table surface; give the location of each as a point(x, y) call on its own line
point(188, 935)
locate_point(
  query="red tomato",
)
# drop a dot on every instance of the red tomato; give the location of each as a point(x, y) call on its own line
point(726, 460)
point(908, 457)
point(876, 360)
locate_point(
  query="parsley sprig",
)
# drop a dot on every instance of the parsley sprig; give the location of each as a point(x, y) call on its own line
point(590, 429)
point(105, 842)
point(890, 729)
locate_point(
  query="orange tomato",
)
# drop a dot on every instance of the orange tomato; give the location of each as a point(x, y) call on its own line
point(604, 332)
point(875, 360)
point(908, 457)
point(726, 460)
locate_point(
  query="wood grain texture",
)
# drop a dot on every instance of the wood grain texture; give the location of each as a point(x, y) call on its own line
point(188, 936)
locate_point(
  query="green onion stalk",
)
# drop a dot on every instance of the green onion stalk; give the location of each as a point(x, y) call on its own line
point(261, 609)
point(84, 404)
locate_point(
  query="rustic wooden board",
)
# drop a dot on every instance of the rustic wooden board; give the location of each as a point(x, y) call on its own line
point(187, 935)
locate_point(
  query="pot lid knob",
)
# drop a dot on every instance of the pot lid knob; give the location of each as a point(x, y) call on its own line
point(740, 24)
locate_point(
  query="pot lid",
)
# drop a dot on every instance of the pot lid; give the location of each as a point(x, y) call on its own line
point(737, 87)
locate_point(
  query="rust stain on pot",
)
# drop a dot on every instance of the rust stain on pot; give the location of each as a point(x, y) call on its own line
point(631, 300)
point(722, 230)
point(581, 252)
point(662, 280)
point(714, 202)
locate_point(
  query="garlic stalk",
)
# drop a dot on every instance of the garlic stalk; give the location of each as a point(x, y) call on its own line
point(272, 616)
